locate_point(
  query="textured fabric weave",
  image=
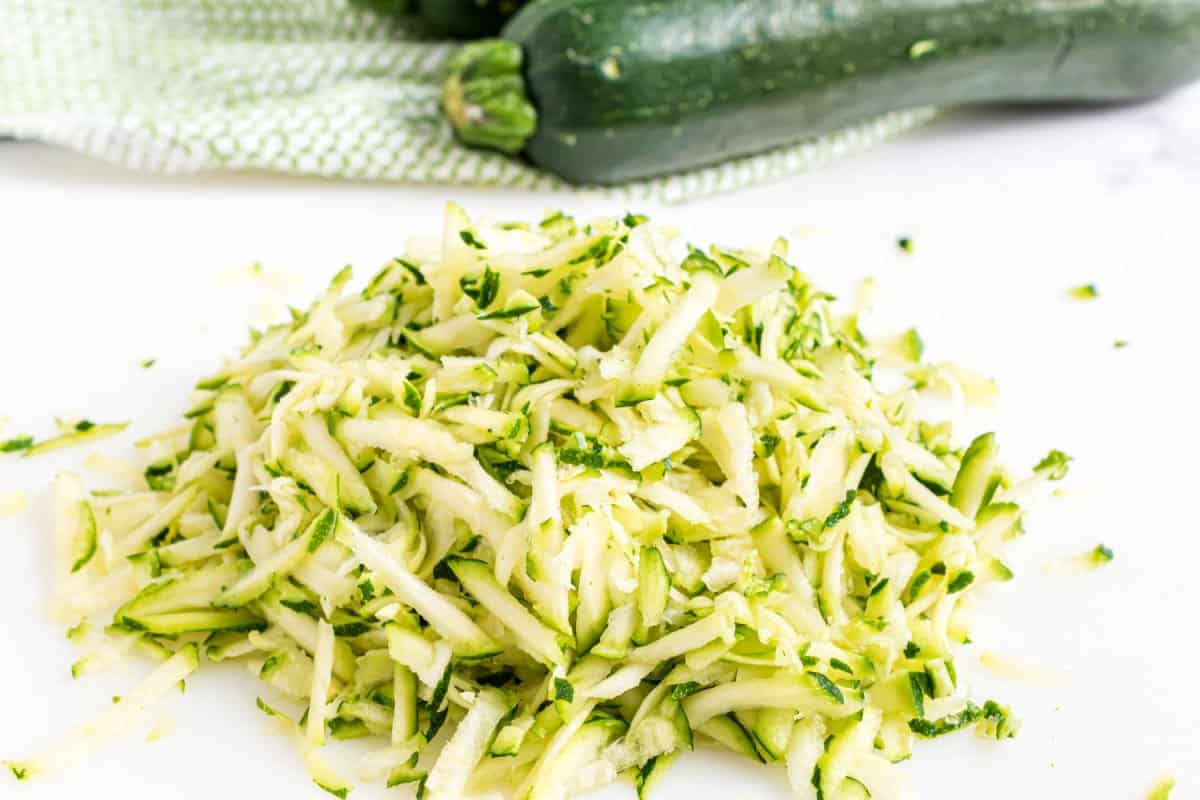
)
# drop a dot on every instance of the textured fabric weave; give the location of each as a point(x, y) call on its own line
point(307, 87)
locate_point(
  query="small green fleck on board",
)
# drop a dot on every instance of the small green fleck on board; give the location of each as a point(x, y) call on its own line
point(1083, 292)
point(905, 243)
point(1081, 564)
point(1053, 465)
point(147, 363)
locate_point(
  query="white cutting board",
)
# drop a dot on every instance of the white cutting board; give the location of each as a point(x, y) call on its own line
point(102, 270)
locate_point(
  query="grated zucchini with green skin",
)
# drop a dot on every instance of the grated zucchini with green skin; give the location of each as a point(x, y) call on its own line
point(663, 500)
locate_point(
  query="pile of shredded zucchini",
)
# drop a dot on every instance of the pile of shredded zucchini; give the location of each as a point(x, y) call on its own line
point(569, 501)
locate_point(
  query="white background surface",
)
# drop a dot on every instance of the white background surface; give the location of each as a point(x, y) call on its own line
point(102, 269)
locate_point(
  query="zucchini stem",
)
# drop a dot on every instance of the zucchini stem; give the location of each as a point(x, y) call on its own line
point(485, 98)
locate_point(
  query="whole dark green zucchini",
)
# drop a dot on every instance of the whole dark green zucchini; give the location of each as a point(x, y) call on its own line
point(627, 89)
point(468, 19)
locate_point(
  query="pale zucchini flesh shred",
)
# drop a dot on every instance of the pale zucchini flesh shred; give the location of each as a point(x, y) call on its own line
point(574, 496)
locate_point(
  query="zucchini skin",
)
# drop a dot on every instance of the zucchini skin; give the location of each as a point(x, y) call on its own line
point(629, 89)
point(467, 19)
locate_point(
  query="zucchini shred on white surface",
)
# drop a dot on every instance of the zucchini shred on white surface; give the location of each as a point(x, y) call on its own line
point(573, 497)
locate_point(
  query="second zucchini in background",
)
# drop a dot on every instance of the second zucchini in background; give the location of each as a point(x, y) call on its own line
point(607, 91)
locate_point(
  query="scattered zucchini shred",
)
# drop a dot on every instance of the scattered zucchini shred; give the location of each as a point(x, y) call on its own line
point(572, 494)
point(1081, 564)
point(1120, 344)
point(1083, 292)
point(1053, 465)
point(70, 434)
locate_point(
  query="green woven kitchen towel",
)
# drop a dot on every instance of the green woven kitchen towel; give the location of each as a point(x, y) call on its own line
point(307, 87)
